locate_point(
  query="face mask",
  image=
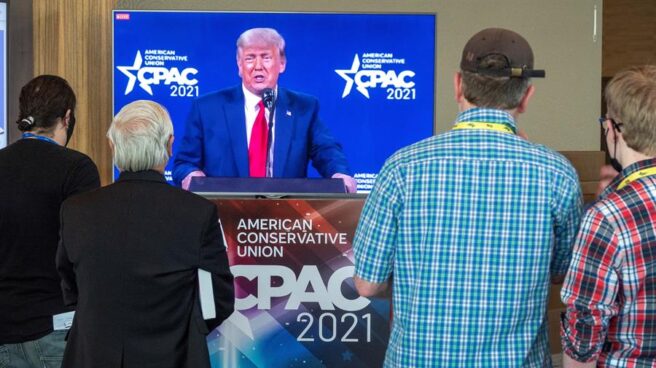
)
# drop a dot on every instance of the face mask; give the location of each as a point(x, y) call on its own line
point(70, 128)
point(616, 164)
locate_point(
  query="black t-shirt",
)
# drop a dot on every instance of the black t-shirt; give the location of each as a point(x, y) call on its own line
point(35, 178)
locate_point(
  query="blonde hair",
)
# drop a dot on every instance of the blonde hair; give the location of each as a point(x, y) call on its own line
point(140, 134)
point(631, 100)
point(259, 37)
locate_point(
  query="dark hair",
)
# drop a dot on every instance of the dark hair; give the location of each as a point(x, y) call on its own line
point(503, 93)
point(42, 101)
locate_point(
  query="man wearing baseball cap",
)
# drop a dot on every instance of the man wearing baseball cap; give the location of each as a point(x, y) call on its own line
point(474, 224)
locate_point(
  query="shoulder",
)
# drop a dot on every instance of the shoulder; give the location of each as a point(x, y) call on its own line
point(75, 156)
point(83, 200)
point(59, 155)
point(182, 200)
point(173, 197)
point(538, 156)
point(622, 204)
point(552, 160)
point(416, 152)
point(448, 145)
point(187, 196)
point(611, 213)
point(80, 163)
point(297, 98)
point(230, 94)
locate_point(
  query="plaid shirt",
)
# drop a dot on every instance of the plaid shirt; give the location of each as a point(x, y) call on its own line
point(610, 290)
point(472, 223)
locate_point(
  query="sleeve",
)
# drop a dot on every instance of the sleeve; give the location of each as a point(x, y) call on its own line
point(375, 238)
point(82, 178)
point(189, 156)
point(214, 259)
point(566, 212)
point(65, 266)
point(326, 153)
point(591, 288)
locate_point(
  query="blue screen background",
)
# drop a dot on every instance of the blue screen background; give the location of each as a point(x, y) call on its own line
point(369, 129)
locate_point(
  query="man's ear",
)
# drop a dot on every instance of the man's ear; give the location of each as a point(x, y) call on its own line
point(283, 64)
point(614, 134)
point(239, 67)
point(66, 118)
point(525, 99)
point(457, 87)
point(169, 145)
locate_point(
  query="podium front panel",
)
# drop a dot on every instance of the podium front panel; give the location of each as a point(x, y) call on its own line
point(296, 305)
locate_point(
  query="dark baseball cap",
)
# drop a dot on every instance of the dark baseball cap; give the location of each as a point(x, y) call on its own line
point(502, 42)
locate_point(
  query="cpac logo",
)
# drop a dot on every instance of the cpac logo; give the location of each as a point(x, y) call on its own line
point(364, 79)
point(150, 75)
point(328, 295)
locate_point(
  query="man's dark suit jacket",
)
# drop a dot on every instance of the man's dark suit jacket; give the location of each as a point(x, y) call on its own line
point(215, 138)
point(128, 256)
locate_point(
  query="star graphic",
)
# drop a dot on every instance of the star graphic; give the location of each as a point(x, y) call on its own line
point(347, 355)
point(133, 78)
point(344, 73)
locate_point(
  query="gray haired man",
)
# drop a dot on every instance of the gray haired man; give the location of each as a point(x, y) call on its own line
point(130, 255)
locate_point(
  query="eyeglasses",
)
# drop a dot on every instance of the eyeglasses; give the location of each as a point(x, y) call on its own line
point(617, 126)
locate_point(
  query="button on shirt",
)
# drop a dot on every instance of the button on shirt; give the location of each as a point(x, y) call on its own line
point(251, 108)
point(610, 290)
point(472, 224)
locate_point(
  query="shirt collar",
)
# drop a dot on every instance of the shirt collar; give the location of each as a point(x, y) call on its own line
point(146, 175)
point(28, 135)
point(250, 99)
point(627, 171)
point(486, 115)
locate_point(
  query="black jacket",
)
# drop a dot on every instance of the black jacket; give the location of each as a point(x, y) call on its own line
point(128, 257)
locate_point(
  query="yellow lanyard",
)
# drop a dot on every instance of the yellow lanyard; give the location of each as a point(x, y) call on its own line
point(498, 127)
point(637, 175)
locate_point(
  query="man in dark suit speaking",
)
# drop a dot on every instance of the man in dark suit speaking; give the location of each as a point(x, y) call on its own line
point(227, 132)
point(133, 256)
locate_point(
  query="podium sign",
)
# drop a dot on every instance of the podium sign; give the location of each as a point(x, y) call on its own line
point(296, 305)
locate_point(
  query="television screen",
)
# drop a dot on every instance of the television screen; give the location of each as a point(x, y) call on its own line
point(373, 74)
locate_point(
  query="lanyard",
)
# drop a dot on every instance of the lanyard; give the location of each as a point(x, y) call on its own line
point(498, 127)
point(637, 175)
point(39, 137)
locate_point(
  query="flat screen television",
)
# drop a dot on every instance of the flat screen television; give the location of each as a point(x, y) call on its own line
point(373, 74)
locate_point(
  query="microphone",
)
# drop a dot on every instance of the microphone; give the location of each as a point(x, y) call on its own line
point(268, 97)
point(269, 100)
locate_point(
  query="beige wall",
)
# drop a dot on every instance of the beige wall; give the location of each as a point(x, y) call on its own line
point(72, 38)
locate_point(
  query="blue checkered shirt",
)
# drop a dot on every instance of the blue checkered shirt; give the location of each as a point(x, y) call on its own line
point(470, 225)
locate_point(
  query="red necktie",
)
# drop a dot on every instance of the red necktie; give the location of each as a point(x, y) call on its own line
point(257, 149)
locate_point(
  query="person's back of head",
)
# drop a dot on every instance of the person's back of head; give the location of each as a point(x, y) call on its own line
point(141, 137)
point(631, 101)
point(496, 67)
point(43, 102)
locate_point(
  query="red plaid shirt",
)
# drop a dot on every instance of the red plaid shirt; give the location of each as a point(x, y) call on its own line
point(610, 288)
